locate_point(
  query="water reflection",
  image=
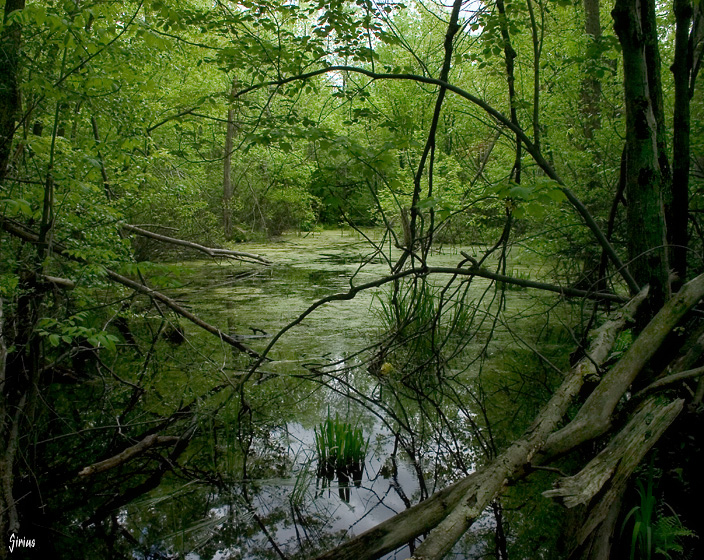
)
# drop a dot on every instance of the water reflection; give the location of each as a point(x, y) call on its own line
point(274, 497)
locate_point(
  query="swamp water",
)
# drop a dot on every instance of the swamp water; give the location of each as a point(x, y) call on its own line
point(274, 499)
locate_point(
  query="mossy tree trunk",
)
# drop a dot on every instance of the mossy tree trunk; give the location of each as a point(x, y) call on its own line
point(647, 249)
point(678, 208)
point(591, 85)
point(10, 41)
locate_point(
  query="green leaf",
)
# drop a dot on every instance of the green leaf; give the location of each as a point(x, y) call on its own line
point(535, 209)
point(427, 203)
point(556, 195)
point(521, 192)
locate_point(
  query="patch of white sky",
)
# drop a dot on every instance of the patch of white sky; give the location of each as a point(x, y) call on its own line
point(386, 12)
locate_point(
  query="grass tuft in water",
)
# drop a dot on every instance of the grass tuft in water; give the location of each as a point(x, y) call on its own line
point(341, 448)
point(424, 327)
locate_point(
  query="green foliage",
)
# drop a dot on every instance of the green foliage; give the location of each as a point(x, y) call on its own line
point(72, 331)
point(643, 515)
point(406, 310)
point(422, 329)
point(125, 109)
point(668, 535)
point(653, 533)
point(340, 446)
point(530, 199)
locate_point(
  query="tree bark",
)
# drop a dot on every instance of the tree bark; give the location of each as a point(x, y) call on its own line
point(602, 482)
point(509, 56)
point(594, 417)
point(591, 86)
point(628, 447)
point(103, 172)
point(696, 45)
point(128, 454)
point(227, 188)
point(10, 100)
point(598, 545)
point(677, 211)
point(646, 245)
point(210, 251)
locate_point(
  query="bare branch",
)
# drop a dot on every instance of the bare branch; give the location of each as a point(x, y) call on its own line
point(128, 454)
point(171, 304)
point(210, 251)
point(171, 118)
point(564, 291)
point(18, 230)
point(500, 117)
point(64, 283)
point(670, 379)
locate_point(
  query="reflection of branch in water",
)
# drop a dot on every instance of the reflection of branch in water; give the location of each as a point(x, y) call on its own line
point(393, 482)
point(231, 280)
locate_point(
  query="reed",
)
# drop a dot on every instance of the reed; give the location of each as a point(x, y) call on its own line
point(340, 447)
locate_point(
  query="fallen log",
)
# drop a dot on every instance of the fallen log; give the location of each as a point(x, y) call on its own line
point(592, 420)
point(594, 417)
point(626, 449)
point(210, 251)
point(185, 313)
point(605, 477)
point(455, 508)
point(564, 291)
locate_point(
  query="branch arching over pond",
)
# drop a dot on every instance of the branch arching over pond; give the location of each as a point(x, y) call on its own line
point(470, 271)
point(500, 117)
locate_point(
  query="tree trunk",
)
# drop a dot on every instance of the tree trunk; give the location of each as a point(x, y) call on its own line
point(591, 86)
point(677, 210)
point(227, 188)
point(645, 217)
point(10, 101)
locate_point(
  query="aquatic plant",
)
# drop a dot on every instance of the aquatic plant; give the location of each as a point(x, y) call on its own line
point(406, 308)
point(424, 328)
point(340, 447)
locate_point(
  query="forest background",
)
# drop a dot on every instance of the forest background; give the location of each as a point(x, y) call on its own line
point(134, 135)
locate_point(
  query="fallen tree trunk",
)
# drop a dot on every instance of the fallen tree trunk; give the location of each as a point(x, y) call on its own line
point(594, 417)
point(607, 474)
point(592, 420)
point(210, 251)
point(627, 447)
point(474, 492)
point(456, 508)
point(171, 304)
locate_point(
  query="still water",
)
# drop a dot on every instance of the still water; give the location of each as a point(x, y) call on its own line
point(271, 501)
